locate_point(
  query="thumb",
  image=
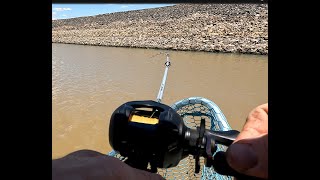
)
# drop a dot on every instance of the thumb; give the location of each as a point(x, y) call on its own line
point(249, 156)
point(241, 157)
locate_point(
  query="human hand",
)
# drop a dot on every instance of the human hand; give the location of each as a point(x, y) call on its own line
point(92, 165)
point(249, 152)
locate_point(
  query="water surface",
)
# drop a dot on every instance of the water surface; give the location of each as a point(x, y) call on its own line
point(90, 82)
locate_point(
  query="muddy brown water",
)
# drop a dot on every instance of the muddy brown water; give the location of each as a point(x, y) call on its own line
point(90, 82)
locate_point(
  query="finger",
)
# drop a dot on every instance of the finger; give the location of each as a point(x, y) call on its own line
point(122, 171)
point(85, 153)
point(248, 153)
point(256, 124)
point(249, 156)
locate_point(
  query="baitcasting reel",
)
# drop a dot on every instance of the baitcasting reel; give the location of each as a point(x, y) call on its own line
point(152, 133)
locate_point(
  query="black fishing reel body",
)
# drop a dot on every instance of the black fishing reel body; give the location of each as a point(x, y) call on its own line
point(157, 140)
point(152, 133)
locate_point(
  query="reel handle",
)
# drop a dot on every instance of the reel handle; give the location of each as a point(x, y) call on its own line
point(223, 137)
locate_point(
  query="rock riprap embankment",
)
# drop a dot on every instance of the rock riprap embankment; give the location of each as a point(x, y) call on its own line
point(239, 28)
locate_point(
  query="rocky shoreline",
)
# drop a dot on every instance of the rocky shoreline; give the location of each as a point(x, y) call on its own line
point(234, 28)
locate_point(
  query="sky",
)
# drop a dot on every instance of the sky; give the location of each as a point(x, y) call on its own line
point(65, 11)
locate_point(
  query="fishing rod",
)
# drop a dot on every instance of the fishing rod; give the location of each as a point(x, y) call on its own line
point(163, 83)
point(152, 135)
